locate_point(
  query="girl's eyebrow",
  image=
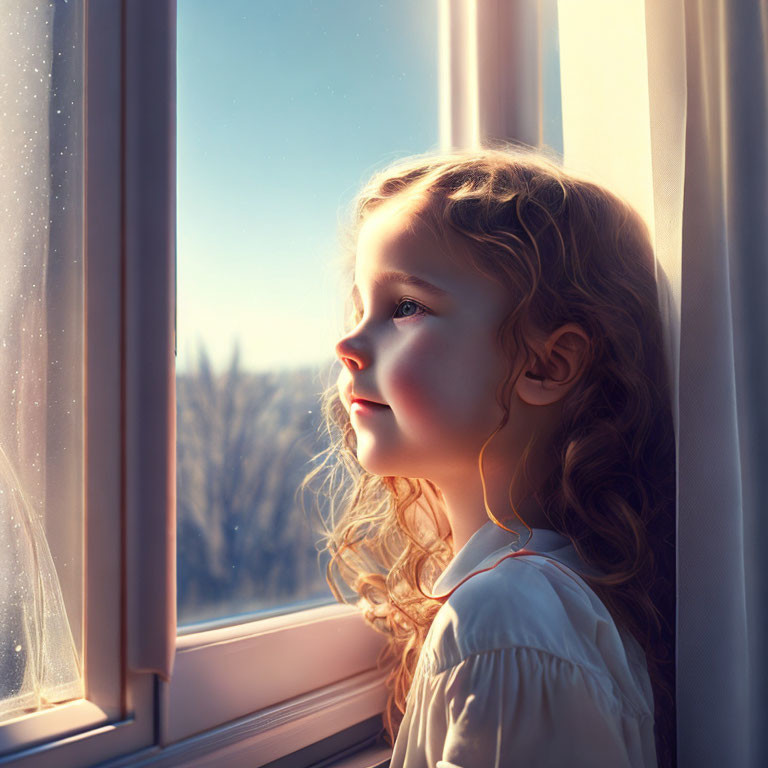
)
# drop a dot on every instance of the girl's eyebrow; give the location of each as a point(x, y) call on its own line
point(395, 276)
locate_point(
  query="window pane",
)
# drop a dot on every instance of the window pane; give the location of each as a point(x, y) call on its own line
point(284, 108)
point(41, 355)
point(551, 98)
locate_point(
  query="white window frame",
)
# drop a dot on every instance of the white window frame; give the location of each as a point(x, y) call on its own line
point(117, 715)
point(247, 694)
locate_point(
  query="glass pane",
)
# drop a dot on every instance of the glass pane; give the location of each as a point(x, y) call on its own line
point(551, 106)
point(284, 108)
point(41, 355)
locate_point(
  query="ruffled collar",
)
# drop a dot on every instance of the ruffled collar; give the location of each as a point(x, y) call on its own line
point(490, 544)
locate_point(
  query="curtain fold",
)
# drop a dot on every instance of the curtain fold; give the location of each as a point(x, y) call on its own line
point(721, 161)
point(40, 356)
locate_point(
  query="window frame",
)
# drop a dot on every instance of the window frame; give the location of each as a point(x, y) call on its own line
point(117, 715)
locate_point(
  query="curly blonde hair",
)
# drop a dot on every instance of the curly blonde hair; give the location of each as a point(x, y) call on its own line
point(568, 251)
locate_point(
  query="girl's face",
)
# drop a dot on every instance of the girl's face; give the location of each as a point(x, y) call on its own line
point(428, 355)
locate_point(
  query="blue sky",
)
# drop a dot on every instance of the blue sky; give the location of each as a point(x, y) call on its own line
point(284, 109)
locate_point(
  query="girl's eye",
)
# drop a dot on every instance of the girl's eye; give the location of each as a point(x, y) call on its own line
point(411, 308)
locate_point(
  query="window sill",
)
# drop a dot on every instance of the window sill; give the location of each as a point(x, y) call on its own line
point(276, 732)
point(50, 724)
point(80, 732)
point(373, 757)
point(251, 668)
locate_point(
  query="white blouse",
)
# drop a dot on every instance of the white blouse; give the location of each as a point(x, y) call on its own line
point(523, 666)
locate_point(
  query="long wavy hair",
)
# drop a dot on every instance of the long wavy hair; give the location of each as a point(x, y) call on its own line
point(568, 251)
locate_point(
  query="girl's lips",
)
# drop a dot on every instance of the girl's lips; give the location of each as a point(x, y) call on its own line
point(353, 398)
point(368, 406)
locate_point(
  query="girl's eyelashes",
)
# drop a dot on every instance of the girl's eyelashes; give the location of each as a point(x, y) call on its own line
point(410, 308)
point(419, 309)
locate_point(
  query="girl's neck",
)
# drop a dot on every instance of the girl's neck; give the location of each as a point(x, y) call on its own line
point(463, 526)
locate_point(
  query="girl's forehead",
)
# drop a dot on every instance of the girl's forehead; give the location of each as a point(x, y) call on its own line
point(397, 238)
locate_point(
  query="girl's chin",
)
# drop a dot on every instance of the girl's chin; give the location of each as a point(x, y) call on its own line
point(375, 463)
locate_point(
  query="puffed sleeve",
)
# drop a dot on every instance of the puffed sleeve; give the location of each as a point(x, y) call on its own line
point(520, 706)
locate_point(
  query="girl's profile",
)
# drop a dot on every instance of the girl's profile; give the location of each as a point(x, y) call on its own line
point(501, 466)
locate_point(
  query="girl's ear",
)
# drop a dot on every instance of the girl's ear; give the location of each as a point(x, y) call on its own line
point(557, 367)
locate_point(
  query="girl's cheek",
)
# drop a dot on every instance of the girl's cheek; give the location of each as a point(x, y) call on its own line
point(417, 378)
point(446, 379)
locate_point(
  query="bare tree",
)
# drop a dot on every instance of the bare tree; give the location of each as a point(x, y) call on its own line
point(244, 440)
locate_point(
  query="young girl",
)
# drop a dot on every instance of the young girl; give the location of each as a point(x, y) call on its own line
point(503, 454)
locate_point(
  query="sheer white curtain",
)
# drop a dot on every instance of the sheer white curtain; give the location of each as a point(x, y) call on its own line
point(40, 355)
point(710, 145)
point(682, 83)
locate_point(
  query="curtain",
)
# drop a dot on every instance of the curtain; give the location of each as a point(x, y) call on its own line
point(716, 152)
point(40, 355)
point(665, 101)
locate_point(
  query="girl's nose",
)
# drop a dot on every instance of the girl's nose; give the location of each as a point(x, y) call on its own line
point(351, 352)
